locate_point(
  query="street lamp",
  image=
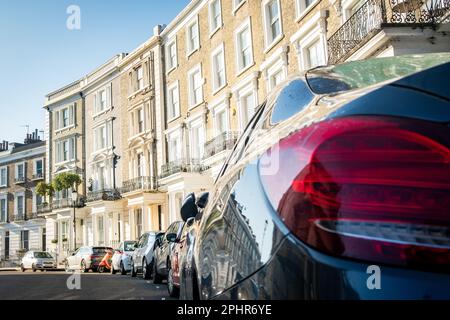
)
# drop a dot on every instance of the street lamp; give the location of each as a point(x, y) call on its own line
point(74, 202)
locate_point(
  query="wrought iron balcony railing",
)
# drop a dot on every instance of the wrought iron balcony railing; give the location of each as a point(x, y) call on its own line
point(182, 165)
point(17, 217)
point(224, 141)
point(373, 15)
point(19, 179)
point(38, 176)
point(43, 208)
point(140, 183)
point(105, 195)
point(67, 203)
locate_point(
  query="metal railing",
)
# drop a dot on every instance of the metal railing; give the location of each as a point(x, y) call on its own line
point(38, 176)
point(43, 208)
point(224, 141)
point(369, 19)
point(182, 165)
point(141, 183)
point(105, 195)
point(18, 217)
point(19, 179)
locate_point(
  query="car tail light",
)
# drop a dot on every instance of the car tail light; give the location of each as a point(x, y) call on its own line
point(369, 188)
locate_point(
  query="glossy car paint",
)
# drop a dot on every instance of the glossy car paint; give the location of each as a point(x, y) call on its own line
point(238, 248)
point(164, 247)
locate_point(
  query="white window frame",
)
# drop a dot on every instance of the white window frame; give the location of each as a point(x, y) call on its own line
point(275, 64)
point(170, 89)
point(191, 83)
point(237, 5)
point(71, 151)
point(5, 184)
point(197, 123)
point(16, 203)
point(242, 89)
point(268, 41)
point(302, 9)
point(59, 121)
point(169, 64)
point(4, 197)
point(16, 173)
point(221, 105)
point(35, 161)
point(138, 80)
point(215, 52)
point(240, 68)
point(97, 100)
point(174, 155)
point(189, 50)
point(97, 137)
point(214, 29)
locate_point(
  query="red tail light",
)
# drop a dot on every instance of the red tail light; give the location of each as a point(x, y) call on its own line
point(370, 188)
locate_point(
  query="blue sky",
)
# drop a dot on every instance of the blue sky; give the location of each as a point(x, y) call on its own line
point(38, 54)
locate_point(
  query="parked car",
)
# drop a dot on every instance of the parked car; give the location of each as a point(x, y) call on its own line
point(37, 260)
point(142, 257)
point(121, 260)
point(173, 274)
point(163, 247)
point(86, 258)
point(338, 186)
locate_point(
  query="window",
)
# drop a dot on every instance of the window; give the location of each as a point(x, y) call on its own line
point(275, 79)
point(140, 78)
point(65, 150)
point(140, 119)
point(174, 146)
point(100, 138)
point(38, 168)
point(65, 117)
point(221, 123)
point(244, 47)
point(237, 4)
point(247, 108)
point(20, 172)
point(195, 86)
point(140, 165)
point(215, 15)
point(193, 37)
point(3, 209)
point(101, 175)
point(64, 230)
point(4, 177)
point(174, 102)
point(24, 239)
point(20, 205)
point(218, 65)
point(315, 55)
point(171, 53)
point(197, 138)
point(272, 18)
point(138, 217)
point(303, 5)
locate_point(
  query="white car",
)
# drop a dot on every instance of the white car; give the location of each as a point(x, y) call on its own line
point(121, 260)
point(37, 260)
point(142, 258)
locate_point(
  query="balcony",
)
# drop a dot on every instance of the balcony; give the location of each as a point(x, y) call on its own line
point(43, 208)
point(182, 165)
point(18, 217)
point(38, 176)
point(222, 142)
point(104, 195)
point(19, 180)
point(373, 15)
point(67, 203)
point(139, 184)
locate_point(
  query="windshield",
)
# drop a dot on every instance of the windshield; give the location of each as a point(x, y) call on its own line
point(361, 74)
point(42, 255)
point(129, 245)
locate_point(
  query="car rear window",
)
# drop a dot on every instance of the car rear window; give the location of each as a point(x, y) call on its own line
point(42, 255)
point(100, 250)
point(361, 74)
point(129, 245)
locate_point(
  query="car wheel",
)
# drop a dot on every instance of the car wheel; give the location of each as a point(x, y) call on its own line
point(133, 271)
point(83, 267)
point(122, 269)
point(157, 279)
point(33, 268)
point(174, 292)
point(22, 268)
point(113, 271)
point(66, 267)
point(145, 270)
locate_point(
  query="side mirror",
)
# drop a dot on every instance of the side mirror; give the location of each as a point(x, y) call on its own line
point(190, 221)
point(171, 237)
point(189, 208)
point(203, 200)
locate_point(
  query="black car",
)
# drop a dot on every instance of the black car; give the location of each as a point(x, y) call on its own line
point(339, 188)
point(161, 252)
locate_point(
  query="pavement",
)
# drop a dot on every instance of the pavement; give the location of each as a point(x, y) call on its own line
point(53, 285)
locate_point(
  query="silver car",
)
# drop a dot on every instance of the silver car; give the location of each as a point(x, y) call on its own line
point(121, 260)
point(37, 260)
point(86, 258)
point(142, 258)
